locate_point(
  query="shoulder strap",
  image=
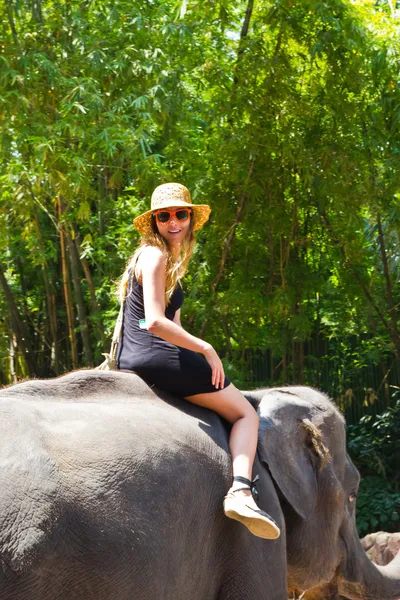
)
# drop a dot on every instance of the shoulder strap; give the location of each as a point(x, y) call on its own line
point(117, 333)
point(118, 325)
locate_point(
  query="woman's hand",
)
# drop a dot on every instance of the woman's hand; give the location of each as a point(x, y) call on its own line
point(218, 375)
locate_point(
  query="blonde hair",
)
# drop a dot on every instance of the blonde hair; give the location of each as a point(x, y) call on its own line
point(174, 270)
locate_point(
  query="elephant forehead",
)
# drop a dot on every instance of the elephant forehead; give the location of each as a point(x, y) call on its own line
point(300, 402)
point(277, 409)
point(287, 411)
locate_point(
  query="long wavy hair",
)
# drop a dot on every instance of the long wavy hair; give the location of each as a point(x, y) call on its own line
point(175, 268)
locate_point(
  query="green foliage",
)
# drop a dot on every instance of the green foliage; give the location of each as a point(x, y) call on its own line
point(290, 132)
point(373, 445)
point(378, 506)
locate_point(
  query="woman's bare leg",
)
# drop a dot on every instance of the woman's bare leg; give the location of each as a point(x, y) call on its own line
point(230, 404)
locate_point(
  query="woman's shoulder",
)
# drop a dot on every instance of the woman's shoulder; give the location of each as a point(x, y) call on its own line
point(152, 254)
point(150, 257)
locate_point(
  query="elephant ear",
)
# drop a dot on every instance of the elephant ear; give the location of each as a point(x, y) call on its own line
point(291, 445)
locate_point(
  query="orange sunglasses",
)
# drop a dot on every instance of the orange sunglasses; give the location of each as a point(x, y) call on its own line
point(181, 214)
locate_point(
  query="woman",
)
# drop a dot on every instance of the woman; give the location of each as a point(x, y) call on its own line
point(155, 345)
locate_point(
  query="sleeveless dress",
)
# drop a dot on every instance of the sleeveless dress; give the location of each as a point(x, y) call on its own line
point(177, 370)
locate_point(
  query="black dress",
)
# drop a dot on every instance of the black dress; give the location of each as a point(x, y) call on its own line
point(177, 370)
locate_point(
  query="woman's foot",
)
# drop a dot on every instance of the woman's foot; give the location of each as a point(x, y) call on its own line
point(240, 505)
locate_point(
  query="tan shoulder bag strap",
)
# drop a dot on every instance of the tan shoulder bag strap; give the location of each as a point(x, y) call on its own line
point(110, 362)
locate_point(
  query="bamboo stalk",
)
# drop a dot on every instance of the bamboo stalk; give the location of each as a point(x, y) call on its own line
point(281, 261)
point(101, 195)
point(67, 290)
point(50, 296)
point(271, 249)
point(37, 14)
point(92, 290)
point(389, 289)
point(79, 299)
point(11, 20)
point(19, 328)
point(243, 35)
point(284, 368)
point(11, 354)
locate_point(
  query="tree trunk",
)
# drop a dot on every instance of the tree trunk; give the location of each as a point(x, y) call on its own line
point(392, 333)
point(101, 195)
point(271, 249)
point(271, 367)
point(389, 288)
point(50, 296)
point(92, 290)
point(80, 302)
point(67, 290)
point(225, 326)
point(37, 14)
point(294, 362)
point(384, 372)
point(243, 35)
point(284, 369)
point(283, 281)
point(300, 377)
point(10, 16)
point(13, 375)
point(317, 343)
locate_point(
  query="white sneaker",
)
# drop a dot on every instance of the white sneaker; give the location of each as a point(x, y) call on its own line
point(256, 520)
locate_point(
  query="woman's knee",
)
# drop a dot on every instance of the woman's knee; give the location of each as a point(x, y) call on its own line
point(250, 414)
point(229, 403)
point(246, 411)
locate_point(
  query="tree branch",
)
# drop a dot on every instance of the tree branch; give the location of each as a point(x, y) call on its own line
point(228, 243)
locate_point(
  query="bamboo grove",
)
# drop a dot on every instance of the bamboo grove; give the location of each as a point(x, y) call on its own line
point(283, 115)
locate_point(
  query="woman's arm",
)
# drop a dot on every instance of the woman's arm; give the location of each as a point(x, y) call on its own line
point(177, 318)
point(152, 267)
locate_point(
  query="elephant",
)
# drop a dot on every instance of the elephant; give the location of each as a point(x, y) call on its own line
point(112, 489)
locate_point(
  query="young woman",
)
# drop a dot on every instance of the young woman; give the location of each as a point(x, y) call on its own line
point(155, 345)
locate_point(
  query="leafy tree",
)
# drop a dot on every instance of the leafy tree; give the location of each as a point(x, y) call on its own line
point(373, 445)
point(284, 117)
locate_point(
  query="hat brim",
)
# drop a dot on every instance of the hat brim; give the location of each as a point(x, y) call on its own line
point(201, 214)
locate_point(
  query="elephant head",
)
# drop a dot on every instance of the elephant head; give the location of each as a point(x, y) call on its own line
point(303, 444)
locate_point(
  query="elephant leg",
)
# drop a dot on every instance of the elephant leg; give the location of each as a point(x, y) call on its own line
point(246, 590)
point(255, 574)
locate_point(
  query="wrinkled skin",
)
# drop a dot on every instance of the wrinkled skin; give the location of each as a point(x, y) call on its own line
point(111, 491)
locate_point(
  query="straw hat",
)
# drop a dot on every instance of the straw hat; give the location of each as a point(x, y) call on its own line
point(168, 195)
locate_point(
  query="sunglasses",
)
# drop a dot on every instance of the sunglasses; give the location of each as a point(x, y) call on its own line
point(181, 214)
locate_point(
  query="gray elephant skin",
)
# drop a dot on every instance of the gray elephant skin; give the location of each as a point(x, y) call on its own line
point(112, 490)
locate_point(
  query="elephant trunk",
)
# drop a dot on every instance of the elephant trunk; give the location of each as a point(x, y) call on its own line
point(370, 582)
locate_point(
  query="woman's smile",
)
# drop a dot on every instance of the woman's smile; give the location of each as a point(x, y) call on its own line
point(174, 229)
